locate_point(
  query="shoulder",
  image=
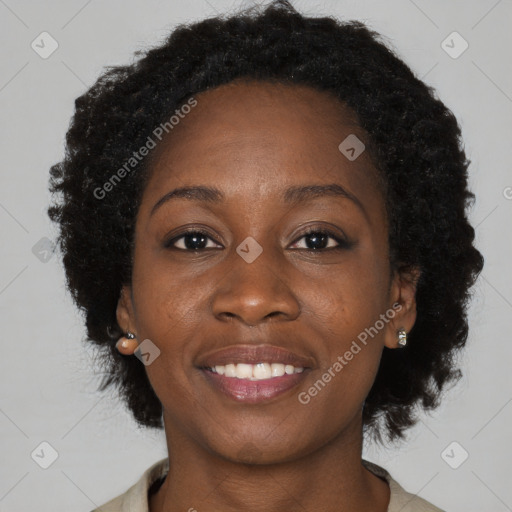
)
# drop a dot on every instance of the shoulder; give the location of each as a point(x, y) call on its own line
point(135, 499)
point(400, 500)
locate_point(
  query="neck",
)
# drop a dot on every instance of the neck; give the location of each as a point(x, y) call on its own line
point(331, 478)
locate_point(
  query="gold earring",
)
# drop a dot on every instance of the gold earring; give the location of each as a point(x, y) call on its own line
point(402, 338)
point(126, 345)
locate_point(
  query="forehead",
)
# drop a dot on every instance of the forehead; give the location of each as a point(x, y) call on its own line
point(257, 138)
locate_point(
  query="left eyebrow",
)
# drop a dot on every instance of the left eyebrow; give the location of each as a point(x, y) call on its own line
point(292, 195)
point(298, 194)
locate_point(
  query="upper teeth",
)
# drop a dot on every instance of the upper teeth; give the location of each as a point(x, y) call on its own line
point(257, 371)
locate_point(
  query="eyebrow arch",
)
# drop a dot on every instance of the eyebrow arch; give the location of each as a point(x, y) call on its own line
point(292, 195)
point(304, 193)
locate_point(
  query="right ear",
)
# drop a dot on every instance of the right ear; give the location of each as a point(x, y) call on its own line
point(124, 311)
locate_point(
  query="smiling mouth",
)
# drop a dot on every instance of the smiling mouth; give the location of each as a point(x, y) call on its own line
point(258, 371)
point(251, 383)
point(251, 373)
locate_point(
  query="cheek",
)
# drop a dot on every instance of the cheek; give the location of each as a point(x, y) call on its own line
point(349, 313)
point(354, 295)
point(167, 309)
point(165, 313)
point(349, 358)
point(165, 298)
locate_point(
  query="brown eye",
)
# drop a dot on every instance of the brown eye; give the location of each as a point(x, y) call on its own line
point(191, 240)
point(316, 240)
point(322, 239)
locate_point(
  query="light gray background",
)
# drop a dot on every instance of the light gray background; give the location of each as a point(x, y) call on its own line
point(48, 390)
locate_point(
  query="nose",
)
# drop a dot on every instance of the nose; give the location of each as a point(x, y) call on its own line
point(255, 293)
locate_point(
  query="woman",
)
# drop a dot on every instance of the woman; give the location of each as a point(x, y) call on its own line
point(264, 220)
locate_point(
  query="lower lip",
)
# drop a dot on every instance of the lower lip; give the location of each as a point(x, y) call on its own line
point(254, 391)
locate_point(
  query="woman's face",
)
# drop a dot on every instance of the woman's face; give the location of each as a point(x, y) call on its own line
point(255, 278)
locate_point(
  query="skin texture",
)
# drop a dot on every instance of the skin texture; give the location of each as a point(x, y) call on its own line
point(252, 141)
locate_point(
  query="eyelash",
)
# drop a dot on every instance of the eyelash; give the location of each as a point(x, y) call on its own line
point(342, 243)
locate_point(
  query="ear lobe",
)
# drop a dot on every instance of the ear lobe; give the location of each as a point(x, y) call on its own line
point(124, 311)
point(403, 296)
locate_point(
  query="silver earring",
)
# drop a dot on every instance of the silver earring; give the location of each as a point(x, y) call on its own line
point(130, 335)
point(402, 338)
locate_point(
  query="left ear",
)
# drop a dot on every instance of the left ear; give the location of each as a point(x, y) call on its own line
point(403, 297)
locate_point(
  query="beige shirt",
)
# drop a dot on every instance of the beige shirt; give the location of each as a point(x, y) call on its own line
point(135, 499)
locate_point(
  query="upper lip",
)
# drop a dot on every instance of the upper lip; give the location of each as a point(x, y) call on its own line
point(252, 354)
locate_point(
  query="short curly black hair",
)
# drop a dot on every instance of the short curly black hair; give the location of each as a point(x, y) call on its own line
point(413, 139)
